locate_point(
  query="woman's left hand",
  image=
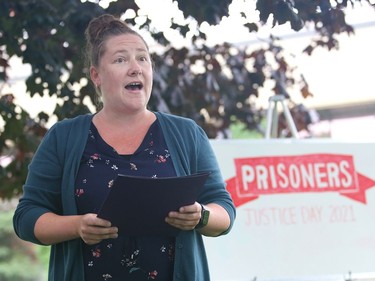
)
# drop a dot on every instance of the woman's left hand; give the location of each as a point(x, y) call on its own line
point(186, 218)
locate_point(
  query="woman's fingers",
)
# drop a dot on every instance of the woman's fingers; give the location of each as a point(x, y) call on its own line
point(93, 229)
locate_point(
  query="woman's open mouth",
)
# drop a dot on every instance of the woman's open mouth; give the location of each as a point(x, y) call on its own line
point(134, 86)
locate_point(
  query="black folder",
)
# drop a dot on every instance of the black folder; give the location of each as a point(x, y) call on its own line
point(138, 206)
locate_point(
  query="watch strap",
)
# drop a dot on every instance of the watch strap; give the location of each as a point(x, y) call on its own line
point(203, 221)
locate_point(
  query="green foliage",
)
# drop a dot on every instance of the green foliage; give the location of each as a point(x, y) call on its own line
point(43, 254)
point(18, 259)
point(239, 131)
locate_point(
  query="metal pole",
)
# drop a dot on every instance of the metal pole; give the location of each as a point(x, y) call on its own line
point(272, 117)
point(289, 120)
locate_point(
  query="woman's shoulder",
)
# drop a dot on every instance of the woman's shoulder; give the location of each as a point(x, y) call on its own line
point(177, 120)
point(78, 121)
point(182, 128)
point(69, 128)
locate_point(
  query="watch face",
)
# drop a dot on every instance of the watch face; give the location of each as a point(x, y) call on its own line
point(205, 216)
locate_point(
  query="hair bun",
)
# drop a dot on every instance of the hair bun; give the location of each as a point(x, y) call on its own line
point(97, 27)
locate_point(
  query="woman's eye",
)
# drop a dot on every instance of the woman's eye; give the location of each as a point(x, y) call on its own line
point(120, 60)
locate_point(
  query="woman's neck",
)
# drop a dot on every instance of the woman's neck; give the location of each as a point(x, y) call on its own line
point(123, 133)
point(131, 121)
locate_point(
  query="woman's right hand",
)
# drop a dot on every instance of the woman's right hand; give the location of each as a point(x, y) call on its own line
point(52, 229)
point(92, 229)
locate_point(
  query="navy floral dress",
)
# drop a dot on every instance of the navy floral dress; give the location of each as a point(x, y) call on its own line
point(124, 258)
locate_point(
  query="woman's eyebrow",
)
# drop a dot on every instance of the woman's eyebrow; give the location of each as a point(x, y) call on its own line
point(124, 52)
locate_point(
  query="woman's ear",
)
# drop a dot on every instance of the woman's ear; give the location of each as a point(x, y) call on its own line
point(95, 76)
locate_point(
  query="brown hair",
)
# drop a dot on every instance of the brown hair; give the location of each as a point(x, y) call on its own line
point(97, 33)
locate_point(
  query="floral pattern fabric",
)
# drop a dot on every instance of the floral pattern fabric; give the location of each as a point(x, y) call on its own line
point(125, 258)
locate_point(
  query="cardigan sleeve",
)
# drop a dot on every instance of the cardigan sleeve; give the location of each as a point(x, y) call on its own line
point(214, 191)
point(49, 184)
point(191, 152)
point(41, 191)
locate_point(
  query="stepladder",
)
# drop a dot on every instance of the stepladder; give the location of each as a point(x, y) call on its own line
point(273, 115)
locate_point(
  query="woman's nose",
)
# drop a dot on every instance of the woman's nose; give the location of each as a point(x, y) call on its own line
point(135, 69)
point(136, 72)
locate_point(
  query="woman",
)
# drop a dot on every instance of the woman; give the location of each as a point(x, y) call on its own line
point(78, 159)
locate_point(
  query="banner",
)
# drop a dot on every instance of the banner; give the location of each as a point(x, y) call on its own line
point(305, 208)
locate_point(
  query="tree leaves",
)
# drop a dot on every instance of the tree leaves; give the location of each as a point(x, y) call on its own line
point(212, 85)
point(210, 11)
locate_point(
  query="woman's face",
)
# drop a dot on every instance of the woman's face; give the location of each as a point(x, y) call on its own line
point(124, 74)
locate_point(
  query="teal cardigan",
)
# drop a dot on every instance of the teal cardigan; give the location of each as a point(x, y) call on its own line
point(50, 188)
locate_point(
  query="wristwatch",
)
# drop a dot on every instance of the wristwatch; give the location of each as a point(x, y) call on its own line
point(205, 214)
